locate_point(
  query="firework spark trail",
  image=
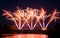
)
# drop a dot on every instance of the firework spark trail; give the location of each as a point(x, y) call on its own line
point(31, 13)
point(29, 16)
point(8, 14)
point(42, 15)
point(32, 17)
point(19, 15)
point(53, 17)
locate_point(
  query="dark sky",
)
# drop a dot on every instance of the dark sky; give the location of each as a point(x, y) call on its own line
point(11, 4)
point(49, 5)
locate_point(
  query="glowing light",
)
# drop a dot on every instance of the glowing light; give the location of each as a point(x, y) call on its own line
point(28, 15)
point(27, 36)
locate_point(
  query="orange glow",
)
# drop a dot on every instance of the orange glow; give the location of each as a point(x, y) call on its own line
point(28, 36)
point(44, 29)
point(28, 16)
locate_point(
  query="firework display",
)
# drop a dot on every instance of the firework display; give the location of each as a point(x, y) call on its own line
point(31, 17)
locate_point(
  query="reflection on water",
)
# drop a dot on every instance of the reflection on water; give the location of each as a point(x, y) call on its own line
point(25, 36)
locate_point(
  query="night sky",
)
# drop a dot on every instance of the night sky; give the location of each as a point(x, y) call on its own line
point(48, 5)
